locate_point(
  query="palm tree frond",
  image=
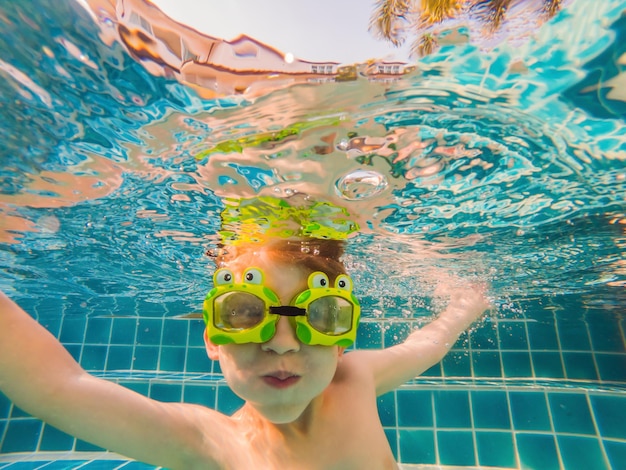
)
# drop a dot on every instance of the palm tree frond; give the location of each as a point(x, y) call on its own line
point(384, 18)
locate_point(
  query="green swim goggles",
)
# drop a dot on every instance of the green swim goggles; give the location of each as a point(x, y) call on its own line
point(247, 312)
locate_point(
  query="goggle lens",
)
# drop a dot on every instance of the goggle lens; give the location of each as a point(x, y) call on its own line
point(236, 311)
point(330, 315)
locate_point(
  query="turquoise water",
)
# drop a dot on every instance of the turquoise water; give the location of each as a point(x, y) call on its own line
point(504, 165)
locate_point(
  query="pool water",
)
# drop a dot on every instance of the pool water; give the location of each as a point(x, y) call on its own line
point(504, 165)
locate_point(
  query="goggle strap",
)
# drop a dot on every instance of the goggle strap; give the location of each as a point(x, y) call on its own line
point(288, 311)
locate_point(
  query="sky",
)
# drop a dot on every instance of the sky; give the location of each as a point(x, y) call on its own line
point(323, 30)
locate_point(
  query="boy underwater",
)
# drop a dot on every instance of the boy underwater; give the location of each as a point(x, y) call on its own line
point(279, 319)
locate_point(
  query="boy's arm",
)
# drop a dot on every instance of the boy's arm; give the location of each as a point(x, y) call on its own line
point(41, 377)
point(426, 346)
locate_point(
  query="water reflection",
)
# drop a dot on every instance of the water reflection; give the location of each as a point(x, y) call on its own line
point(470, 153)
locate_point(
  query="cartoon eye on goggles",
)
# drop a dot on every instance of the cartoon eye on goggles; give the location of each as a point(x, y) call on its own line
point(247, 312)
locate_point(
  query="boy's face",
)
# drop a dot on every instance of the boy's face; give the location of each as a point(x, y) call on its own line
point(281, 377)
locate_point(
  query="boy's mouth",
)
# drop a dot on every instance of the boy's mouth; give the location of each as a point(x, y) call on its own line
point(281, 379)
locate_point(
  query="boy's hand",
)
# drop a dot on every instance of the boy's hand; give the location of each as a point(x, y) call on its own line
point(466, 301)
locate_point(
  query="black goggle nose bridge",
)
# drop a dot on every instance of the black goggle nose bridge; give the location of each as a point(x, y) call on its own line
point(288, 311)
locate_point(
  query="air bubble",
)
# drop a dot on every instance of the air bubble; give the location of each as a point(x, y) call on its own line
point(360, 184)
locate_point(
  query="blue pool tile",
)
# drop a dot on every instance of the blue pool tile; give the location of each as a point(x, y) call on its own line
point(196, 333)
point(75, 350)
point(516, 364)
point(580, 366)
point(98, 330)
point(616, 453)
point(395, 333)
point(485, 336)
point(21, 435)
point(387, 409)
point(169, 392)
point(529, 411)
point(200, 394)
point(486, 364)
point(17, 412)
point(124, 330)
point(512, 335)
point(457, 364)
point(542, 335)
point(605, 333)
point(369, 336)
point(548, 365)
point(119, 358)
point(495, 449)
point(417, 447)
point(537, 451)
point(415, 408)
point(611, 367)
point(138, 386)
point(175, 332)
point(84, 446)
point(197, 360)
point(126, 305)
point(456, 448)
point(227, 401)
point(573, 335)
point(53, 440)
point(145, 357)
point(571, 414)
point(5, 406)
point(94, 357)
point(149, 331)
point(490, 409)
point(452, 409)
point(581, 453)
point(172, 358)
point(52, 323)
point(610, 414)
point(392, 437)
point(73, 329)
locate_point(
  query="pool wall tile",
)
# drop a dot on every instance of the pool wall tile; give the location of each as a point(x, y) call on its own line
point(571, 414)
point(495, 449)
point(582, 453)
point(538, 451)
point(415, 408)
point(54, 440)
point(417, 447)
point(452, 409)
point(529, 411)
point(21, 435)
point(610, 414)
point(387, 409)
point(456, 448)
point(548, 364)
point(616, 453)
point(490, 409)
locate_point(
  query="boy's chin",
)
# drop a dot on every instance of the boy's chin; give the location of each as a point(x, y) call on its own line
point(282, 414)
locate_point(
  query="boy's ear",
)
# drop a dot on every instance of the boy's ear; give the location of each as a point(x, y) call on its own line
point(212, 350)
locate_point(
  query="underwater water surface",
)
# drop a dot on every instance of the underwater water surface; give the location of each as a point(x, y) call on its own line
point(504, 163)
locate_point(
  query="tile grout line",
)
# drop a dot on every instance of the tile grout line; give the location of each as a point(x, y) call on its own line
point(592, 412)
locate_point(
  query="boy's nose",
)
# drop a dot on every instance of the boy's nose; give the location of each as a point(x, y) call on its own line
point(285, 339)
